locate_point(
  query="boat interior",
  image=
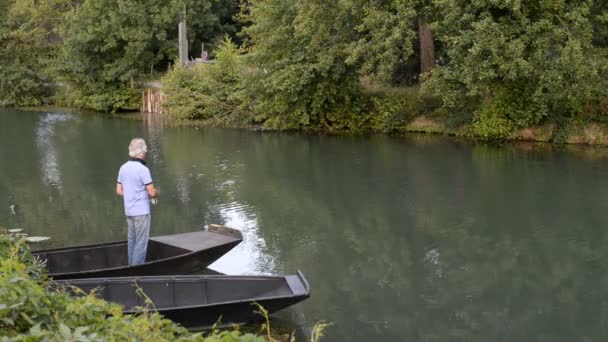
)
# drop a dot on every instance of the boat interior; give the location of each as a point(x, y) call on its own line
point(179, 291)
point(102, 256)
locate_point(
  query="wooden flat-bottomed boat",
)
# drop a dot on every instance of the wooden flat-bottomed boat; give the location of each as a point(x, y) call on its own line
point(166, 255)
point(201, 301)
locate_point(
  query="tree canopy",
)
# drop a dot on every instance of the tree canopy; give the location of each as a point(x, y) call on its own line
point(96, 50)
point(523, 60)
point(499, 65)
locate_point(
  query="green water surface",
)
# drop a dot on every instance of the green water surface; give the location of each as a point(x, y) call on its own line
point(402, 239)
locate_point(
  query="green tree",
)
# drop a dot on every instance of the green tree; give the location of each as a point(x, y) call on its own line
point(28, 40)
point(390, 33)
point(521, 60)
point(99, 52)
point(386, 35)
point(108, 44)
point(299, 76)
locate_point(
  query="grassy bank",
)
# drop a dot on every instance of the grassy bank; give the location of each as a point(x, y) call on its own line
point(33, 309)
point(589, 133)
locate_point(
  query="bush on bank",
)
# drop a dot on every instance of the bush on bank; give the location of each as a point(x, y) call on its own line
point(224, 94)
point(210, 92)
point(98, 97)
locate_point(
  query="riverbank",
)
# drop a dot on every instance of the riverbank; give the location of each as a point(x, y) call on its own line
point(593, 133)
point(227, 94)
point(575, 133)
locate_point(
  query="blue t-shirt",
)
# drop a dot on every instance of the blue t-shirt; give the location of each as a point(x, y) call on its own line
point(134, 176)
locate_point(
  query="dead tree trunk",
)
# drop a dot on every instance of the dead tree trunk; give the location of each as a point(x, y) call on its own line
point(183, 38)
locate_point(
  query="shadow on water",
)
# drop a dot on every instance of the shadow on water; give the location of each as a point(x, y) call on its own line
point(415, 238)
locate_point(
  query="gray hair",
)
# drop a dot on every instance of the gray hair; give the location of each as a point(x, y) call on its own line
point(137, 146)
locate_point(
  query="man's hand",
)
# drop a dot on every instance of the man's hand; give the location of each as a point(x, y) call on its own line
point(152, 191)
point(119, 191)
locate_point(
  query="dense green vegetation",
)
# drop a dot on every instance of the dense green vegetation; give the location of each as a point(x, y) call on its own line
point(494, 67)
point(209, 92)
point(97, 54)
point(501, 66)
point(32, 308)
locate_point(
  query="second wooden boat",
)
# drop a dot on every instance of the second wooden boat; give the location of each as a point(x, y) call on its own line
point(198, 302)
point(166, 255)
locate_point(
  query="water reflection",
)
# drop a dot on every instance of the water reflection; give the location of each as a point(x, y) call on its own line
point(153, 126)
point(45, 134)
point(251, 256)
point(182, 186)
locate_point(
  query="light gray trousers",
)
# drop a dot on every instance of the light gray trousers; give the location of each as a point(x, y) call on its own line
point(139, 232)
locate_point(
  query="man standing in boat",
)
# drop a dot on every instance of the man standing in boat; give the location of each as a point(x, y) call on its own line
point(135, 185)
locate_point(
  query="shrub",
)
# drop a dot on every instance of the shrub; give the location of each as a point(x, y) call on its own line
point(513, 106)
point(207, 91)
point(99, 97)
point(20, 86)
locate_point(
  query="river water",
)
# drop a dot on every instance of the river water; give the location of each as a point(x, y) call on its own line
point(401, 239)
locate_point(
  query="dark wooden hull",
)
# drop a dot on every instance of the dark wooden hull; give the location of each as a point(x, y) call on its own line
point(165, 256)
point(199, 302)
point(199, 318)
point(186, 264)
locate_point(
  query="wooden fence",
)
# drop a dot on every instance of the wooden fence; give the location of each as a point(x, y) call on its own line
point(152, 101)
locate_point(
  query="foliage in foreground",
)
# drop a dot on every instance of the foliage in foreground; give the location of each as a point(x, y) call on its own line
point(30, 312)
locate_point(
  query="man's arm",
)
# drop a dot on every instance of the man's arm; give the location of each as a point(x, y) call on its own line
point(147, 180)
point(119, 191)
point(152, 191)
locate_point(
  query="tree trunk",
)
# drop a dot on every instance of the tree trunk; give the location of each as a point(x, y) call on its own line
point(183, 38)
point(427, 49)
